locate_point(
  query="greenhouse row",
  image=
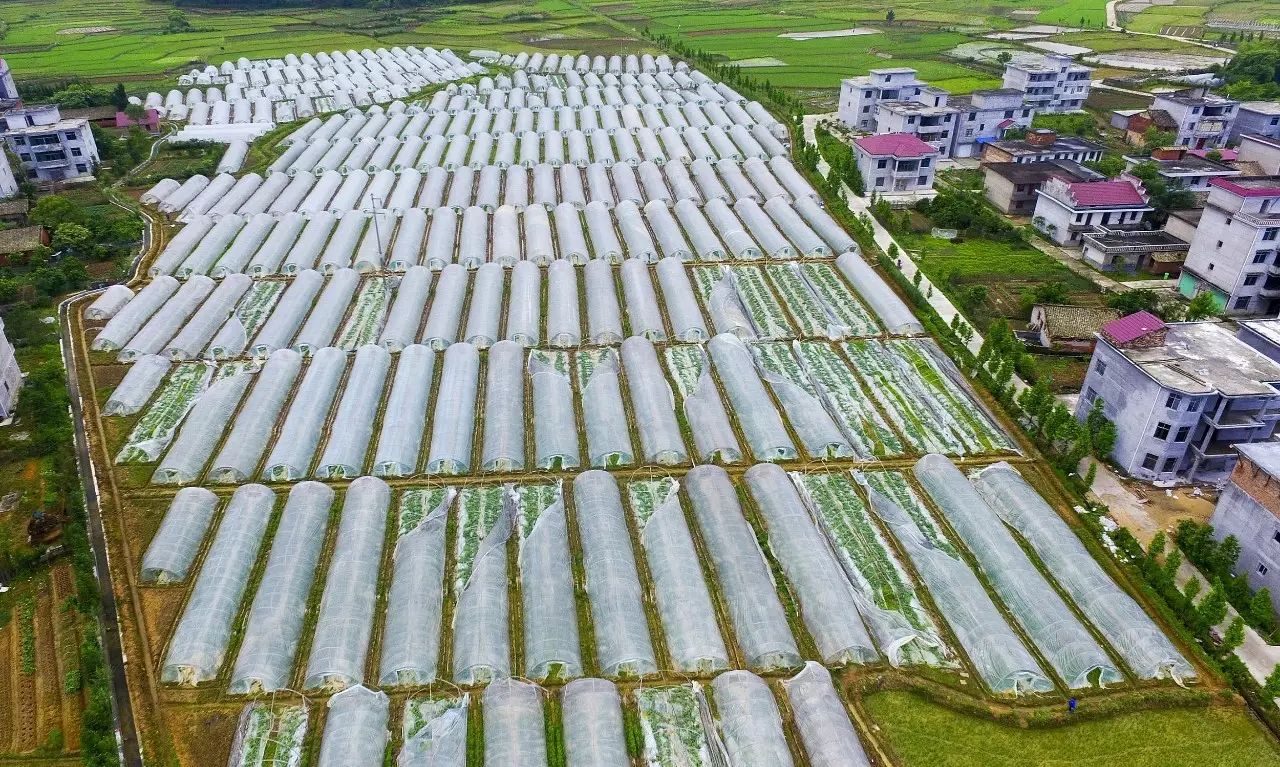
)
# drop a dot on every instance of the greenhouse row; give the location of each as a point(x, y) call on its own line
point(561, 306)
point(488, 187)
point(651, 607)
point(541, 410)
point(300, 90)
point(263, 246)
point(736, 720)
point(526, 137)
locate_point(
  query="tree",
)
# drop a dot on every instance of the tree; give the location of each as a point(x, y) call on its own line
point(1260, 611)
point(1139, 300)
point(120, 98)
point(1234, 636)
point(889, 16)
point(1201, 306)
point(1108, 165)
point(1272, 686)
point(72, 236)
point(1154, 137)
point(54, 210)
point(1212, 610)
point(1004, 57)
point(1101, 429)
point(178, 22)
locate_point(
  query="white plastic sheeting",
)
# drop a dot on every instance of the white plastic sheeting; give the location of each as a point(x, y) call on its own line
point(137, 386)
point(891, 311)
point(355, 731)
point(345, 622)
point(405, 416)
point(238, 459)
point(623, 647)
point(1118, 617)
point(453, 426)
point(201, 431)
point(546, 585)
point(199, 643)
point(822, 720)
point(411, 639)
point(1032, 601)
point(266, 657)
point(653, 404)
point(130, 318)
point(105, 306)
point(352, 427)
point(827, 600)
point(514, 729)
point(172, 551)
point(481, 641)
point(754, 410)
point(749, 723)
point(295, 446)
point(594, 731)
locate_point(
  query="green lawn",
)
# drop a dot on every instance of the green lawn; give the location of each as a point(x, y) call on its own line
point(923, 734)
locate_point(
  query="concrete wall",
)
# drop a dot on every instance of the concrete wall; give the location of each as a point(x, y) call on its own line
point(1223, 254)
point(1238, 514)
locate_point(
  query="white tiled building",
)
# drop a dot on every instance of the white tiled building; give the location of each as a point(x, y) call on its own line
point(1234, 252)
point(860, 95)
point(1054, 84)
point(49, 147)
point(10, 375)
point(987, 115)
point(1261, 118)
point(1065, 210)
point(1204, 120)
point(928, 117)
point(8, 182)
point(895, 163)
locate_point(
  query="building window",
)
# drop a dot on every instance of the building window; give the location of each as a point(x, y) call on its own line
point(1183, 433)
point(82, 168)
point(1100, 368)
point(1162, 430)
point(71, 135)
point(1173, 401)
point(882, 163)
point(1170, 464)
point(20, 140)
point(1149, 461)
point(1251, 279)
point(1193, 406)
point(1270, 234)
point(922, 180)
point(75, 151)
point(1262, 569)
point(1276, 536)
point(879, 181)
point(1243, 302)
point(1090, 394)
point(1261, 256)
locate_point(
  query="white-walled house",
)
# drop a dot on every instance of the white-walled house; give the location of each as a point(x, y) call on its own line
point(860, 95)
point(1261, 118)
point(1262, 150)
point(10, 375)
point(895, 163)
point(1204, 120)
point(8, 181)
point(50, 148)
point(1053, 84)
point(1234, 252)
point(987, 115)
point(1065, 210)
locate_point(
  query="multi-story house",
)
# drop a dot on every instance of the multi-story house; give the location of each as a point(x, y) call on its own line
point(1040, 145)
point(1065, 211)
point(8, 182)
point(860, 95)
point(1204, 120)
point(1261, 118)
point(1234, 252)
point(1249, 509)
point(928, 116)
point(895, 163)
point(10, 376)
point(49, 147)
point(1181, 396)
point(987, 115)
point(1262, 152)
point(1012, 186)
point(1182, 170)
point(8, 89)
point(1055, 83)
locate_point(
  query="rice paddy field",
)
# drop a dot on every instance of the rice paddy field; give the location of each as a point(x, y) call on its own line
point(126, 40)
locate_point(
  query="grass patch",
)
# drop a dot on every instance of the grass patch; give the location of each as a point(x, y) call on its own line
point(919, 733)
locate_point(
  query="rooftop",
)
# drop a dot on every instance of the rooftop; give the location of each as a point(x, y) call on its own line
point(1104, 194)
point(17, 207)
point(895, 144)
point(1037, 172)
point(1268, 330)
point(1153, 240)
point(1132, 327)
point(1262, 107)
point(915, 107)
point(1249, 186)
point(1187, 165)
point(1194, 97)
point(1060, 144)
point(1076, 323)
point(21, 239)
point(1264, 455)
point(64, 124)
point(1203, 358)
point(1224, 155)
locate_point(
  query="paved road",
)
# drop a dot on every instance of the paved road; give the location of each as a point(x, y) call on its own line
point(109, 618)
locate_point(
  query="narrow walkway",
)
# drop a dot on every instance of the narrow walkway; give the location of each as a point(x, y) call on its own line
point(859, 205)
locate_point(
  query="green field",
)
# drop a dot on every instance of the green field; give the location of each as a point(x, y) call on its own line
point(48, 40)
point(923, 734)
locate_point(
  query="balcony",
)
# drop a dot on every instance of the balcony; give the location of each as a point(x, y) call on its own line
point(1219, 448)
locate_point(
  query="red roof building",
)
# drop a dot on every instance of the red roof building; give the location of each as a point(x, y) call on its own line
point(1066, 210)
point(895, 163)
point(1134, 327)
point(895, 145)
